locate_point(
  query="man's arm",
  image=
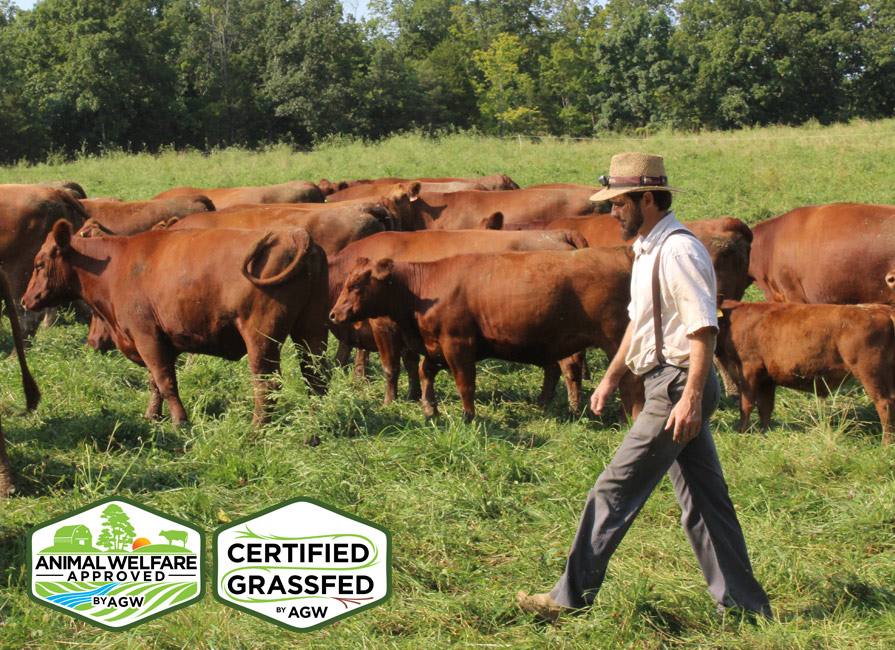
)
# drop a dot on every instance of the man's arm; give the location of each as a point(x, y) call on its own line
point(686, 416)
point(617, 369)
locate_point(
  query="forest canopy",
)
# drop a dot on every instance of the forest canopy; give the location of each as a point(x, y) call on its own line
point(87, 76)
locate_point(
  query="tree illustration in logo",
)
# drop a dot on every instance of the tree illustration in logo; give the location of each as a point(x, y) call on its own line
point(117, 532)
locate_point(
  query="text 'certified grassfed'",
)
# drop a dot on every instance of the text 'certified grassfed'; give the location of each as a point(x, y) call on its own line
point(302, 564)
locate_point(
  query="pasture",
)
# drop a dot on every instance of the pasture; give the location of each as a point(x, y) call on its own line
point(476, 511)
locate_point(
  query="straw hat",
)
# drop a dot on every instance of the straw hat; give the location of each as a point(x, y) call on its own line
point(633, 172)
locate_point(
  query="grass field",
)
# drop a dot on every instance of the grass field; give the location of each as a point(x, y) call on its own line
point(476, 511)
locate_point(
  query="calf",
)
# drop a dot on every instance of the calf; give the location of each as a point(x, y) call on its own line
point(809, 348)
point(174, 536)
point(220, 292)
point(531, 307)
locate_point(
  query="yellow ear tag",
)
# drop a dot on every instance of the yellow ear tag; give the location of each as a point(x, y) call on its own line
point(720, 314)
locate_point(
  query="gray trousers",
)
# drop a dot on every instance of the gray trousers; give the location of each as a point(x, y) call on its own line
point(645, 455)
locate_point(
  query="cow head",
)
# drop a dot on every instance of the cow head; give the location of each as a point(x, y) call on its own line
point(362, 296)
point(405, 198)
point(54, 278)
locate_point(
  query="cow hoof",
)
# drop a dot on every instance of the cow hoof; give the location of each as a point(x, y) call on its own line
point(414, 395)
point(7, 488)
point(888, 438)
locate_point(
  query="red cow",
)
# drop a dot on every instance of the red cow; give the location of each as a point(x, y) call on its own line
point(534, 307)
point(841, 253)
point(291, 192)
point(811, 348)
point(331, 229)
point(32, 394)
point(490, 182)
point(220, 292)
point(131, 217)
point(381, 334)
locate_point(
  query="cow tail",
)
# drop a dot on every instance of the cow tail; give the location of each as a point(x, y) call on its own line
point(32, 392)
point(303, 242)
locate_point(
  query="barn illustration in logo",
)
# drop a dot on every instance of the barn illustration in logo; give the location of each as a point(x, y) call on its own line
point(116, 564)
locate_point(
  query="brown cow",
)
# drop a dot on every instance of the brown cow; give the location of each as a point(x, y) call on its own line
point(27, 214)
point(381, 334)
point(73, 189)
point(32, 393)
point(811, 348)
point(367, 191)
point(220, 292)
point(840, 253)
point(534, 307)
point(489, 182)
point(331, 229)
point(290, 192)
point(460, 210)
point(130, 217)
point(727, 240)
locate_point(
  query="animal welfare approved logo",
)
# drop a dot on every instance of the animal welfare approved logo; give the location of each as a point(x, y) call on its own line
point(302, 564)
point(115, 564)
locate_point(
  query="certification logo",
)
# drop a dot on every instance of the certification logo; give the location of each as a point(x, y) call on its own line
point(302, 564)
point(116, 564)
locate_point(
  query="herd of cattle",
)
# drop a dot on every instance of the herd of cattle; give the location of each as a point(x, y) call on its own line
point(452, 270)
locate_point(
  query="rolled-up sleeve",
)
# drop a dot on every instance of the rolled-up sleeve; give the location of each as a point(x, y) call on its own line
point(690, 279)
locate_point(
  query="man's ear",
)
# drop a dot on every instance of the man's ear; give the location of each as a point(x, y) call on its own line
point(413, 190)
point(62, 234)
point(383, 269)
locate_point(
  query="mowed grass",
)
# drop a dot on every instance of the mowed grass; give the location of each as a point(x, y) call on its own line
point(476, 511)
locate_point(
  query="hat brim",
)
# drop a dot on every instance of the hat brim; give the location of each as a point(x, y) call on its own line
point(612, 192)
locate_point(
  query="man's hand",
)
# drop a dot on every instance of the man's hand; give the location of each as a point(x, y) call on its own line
point(602, 394)
point(686, 418)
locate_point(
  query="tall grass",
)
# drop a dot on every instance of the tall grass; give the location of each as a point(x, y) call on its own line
point(476, 511)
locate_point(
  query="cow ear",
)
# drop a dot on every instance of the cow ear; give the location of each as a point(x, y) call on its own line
point(62, 234)
point(383, 269)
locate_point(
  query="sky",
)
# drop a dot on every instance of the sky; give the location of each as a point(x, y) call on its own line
point(356, 7)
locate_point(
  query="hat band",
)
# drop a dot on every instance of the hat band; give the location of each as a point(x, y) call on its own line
point(637, 181)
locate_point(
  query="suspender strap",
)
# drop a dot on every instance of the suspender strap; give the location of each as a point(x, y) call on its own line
point(657, 296)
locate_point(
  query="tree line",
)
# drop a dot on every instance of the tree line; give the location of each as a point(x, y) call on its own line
point(84, 76)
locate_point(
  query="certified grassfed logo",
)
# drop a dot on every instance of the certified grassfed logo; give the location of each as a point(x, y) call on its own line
point(115, 564)
point(302, 564)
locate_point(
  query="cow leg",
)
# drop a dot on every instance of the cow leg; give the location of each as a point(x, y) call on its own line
point(460, 357)
point(361, 363)
point(747, 404)
point(765, 404)
point(310, 338)
point(264, 361)
point(630, 387)
point(154, 409)
point(7, 481)
point(411, 363)
point(571, 369)
point(730, 387)
point(548, 386)
point(428, 370)
point(343, 352)
point(881, 390)
point(389, 344)
point(160, 362)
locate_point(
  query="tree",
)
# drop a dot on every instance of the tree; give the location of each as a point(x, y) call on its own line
point(505, 90)
point(116, 529)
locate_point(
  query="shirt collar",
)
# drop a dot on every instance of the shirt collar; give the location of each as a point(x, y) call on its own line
point(646, 244)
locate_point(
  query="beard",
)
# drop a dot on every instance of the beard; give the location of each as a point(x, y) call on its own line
point(631, 225)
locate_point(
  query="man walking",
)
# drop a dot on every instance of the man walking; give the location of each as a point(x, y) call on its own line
point(670, 341)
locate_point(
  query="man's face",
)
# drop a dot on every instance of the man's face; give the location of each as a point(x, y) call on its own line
point(628, 214)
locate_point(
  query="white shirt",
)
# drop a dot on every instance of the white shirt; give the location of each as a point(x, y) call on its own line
point(689, 296)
